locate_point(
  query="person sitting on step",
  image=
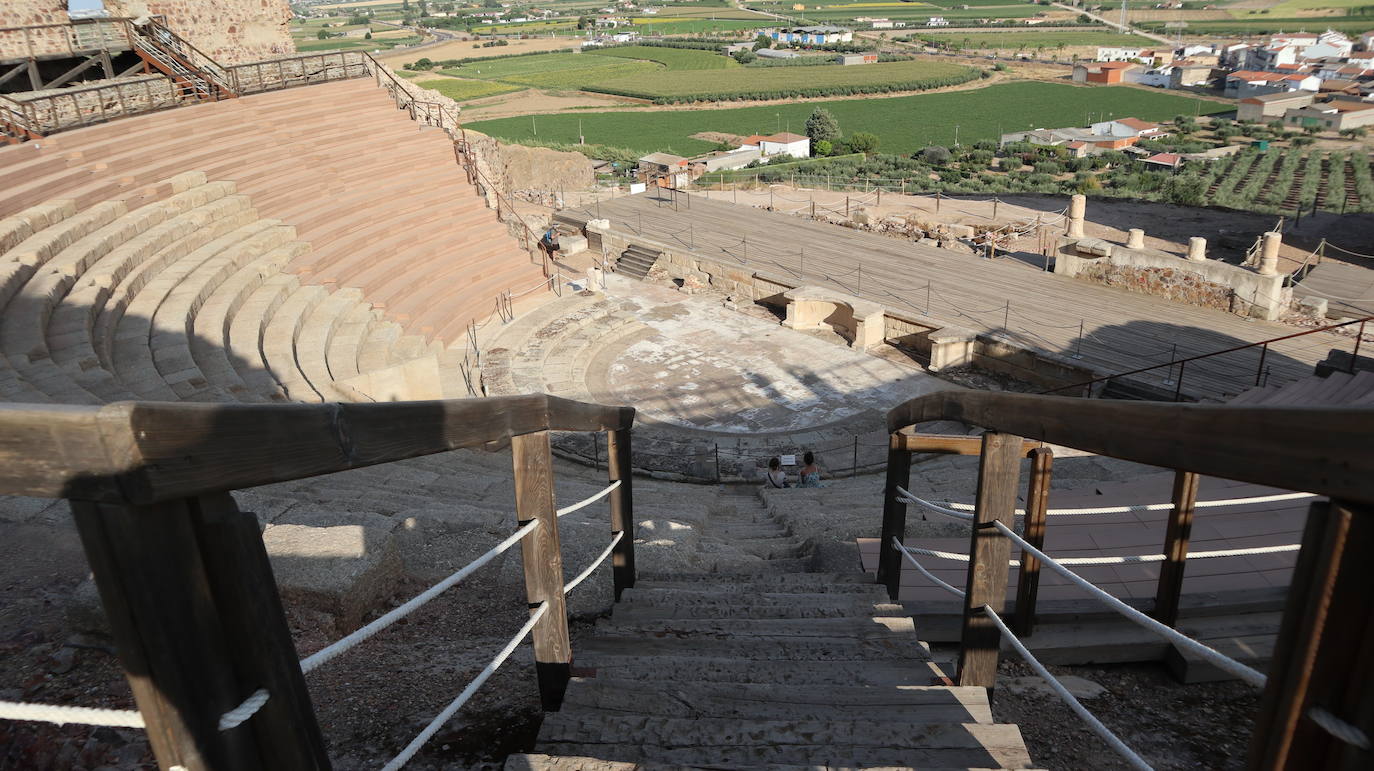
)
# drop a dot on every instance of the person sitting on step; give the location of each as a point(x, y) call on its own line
point(810, 473)
point(549, 241)
point(776, 477)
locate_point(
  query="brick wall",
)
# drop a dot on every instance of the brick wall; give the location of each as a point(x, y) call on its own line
point(229, 31)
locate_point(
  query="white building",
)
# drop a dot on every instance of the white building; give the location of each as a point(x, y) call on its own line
point(795, 145)
point(1118, 54)
point(937, 21)
point(820, 35)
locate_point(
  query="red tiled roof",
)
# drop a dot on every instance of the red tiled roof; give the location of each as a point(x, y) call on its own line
point(1168, 159)
point(1137, 124)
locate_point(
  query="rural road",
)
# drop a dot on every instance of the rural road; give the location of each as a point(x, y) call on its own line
point(1157, 38)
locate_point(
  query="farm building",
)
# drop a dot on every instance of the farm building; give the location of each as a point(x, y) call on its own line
point(857, 58)
point(937, 21)
point(1116, 54)
point(664, 169)
point(1247, 83)
point(1266, 107)
point(1335, 115)
point(795, 145)
point(1101, 72)
point(1191, 73)
point(722, 160)
point(776, 53)
point(820, 35)
point(1170, 161)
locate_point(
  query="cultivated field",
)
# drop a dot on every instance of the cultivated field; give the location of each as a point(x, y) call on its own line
point(1279, 181)
point(671, 58)
point(460, 90)
point(556, 71)
point(1264, 25)
point(903, 124)
point(787, 82)
point(1029, 39)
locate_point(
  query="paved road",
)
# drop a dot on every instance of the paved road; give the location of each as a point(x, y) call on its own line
point(1114, 25)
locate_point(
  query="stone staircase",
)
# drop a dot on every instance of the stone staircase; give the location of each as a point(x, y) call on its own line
point(754, 662)
point(1334, 390)
point(637, 261)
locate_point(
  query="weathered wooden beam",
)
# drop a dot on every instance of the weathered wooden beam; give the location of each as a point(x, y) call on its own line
point(894, 517)
point(1180, 526)
point(148, 566)
point(61, 80)
point(14, 72)
point(942, 444)
point(989, 550)
point(618, 468)
point(1321, 450)
point(1037, 508)
point(240, 579)
point(142, 452)
point(1328, 604)
point(542, 558)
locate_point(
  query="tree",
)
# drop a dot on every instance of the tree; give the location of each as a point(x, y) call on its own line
point(744, 57)
point(863, 142)
point(1353, 133)
point(1185, 190)
point(935, 155)
point(583, 22)
point(762, 41)
point(822, 126)
point(368, 36)
point(822, 148)
point(322, 34)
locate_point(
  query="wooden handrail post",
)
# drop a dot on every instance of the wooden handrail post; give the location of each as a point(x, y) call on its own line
point(894, 516)
point(998, 475)
point(1321, 654)
point(1176, 548)
point(1037, 505)
point(542, 558)
point(172, 614)
point(622, 509)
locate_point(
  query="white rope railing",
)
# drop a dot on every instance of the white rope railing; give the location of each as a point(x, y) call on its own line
point(1338, 728)
point(1123, 559)
point(457, 704)
point(906, 496)
point(1221, 503)
point(905, 553)
point(1221, 661)
point(589, 500)
point(324, 655)
point(250, 706)
point(1073, 703)
point(596, 563)
point(52, 713)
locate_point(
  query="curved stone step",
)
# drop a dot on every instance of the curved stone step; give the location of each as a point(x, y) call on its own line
point(729, 743)
point(316, 336)
point(279, 342)
point(912, 704)
point(245, 334)
point(342, 355)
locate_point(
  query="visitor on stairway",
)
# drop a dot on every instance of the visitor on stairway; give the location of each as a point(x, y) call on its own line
point(549, 242)
point(810, 473)
point(776, 477)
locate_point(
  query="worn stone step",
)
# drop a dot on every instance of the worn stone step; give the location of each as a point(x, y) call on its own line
point(643, 595)
point(728, 568)
point(805, 606)
point(688, 668)
point(538, 762)
point(893, 645)
point(910, 704)
point(792, 629)
point(787, 582)
point(730, 743)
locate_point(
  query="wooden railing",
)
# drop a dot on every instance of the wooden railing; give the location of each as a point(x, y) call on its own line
point(300, 70)
point(72, 38)
point(180, 60)
point(183, 574)
point(1320, 660)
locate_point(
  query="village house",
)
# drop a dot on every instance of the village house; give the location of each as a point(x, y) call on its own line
point(1246, 83)
point(663, 169)
point(1267, 107)
point(1114, 54)
point(1102, 72)
point(1335, 115)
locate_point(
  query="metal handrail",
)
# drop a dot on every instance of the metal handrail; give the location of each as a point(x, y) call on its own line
point(1179, 362)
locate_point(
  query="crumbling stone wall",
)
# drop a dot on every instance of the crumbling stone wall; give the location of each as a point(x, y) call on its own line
point(1169, 283)
point(228, 31)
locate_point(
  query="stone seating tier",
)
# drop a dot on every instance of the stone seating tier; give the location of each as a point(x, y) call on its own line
point(380, 200)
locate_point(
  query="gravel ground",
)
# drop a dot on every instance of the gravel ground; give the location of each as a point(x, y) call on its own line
point(1171, 725)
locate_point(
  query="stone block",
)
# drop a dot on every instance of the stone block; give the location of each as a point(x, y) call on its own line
point(951, 347)
point(340, 564)
point(961, 231)
point(1135, 239)
point(1093, 247)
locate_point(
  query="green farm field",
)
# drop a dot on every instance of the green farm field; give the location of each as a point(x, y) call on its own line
point(1263, 25)
point(670, 25)
point(672, 58)
point(556, 71)
point(903, 124)
point(781, 82)
point(460, 90)
point(1018, 39)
